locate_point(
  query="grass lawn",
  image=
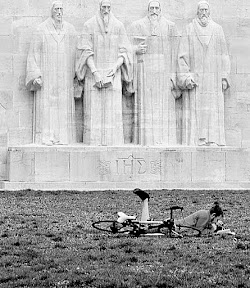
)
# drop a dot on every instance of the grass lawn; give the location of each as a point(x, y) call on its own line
point(46, 240)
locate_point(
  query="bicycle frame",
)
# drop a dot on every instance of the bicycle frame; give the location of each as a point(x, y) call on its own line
point(168, 224)
point(143, 227)
point(130, 225)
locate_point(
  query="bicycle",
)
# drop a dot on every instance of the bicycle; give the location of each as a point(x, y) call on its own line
point(129, 225)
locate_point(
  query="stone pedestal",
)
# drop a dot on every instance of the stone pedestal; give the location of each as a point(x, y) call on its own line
point(83, 168)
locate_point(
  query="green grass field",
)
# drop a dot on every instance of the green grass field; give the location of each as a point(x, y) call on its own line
point(46, 240)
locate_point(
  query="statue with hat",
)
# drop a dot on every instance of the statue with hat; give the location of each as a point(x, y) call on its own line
point(155, 40)
point(50, 75)
point(203, 75)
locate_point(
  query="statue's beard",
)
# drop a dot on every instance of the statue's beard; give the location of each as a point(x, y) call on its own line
point(155, 24)
point(57, 18)
point(204, 20)
point(154, 17)
point(105, 18)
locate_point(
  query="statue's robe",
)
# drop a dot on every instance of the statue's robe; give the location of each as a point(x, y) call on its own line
point(51, 57)
point(102, 108)
point(203, 55)
point(154, 77)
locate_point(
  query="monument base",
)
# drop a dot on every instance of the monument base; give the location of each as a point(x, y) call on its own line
point(83, 168)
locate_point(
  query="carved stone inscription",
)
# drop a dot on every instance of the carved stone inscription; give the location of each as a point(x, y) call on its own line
point(130, 166)
point(104, 168)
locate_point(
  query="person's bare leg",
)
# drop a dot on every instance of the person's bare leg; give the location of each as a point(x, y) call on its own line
point(145, 198)
point(144, 210)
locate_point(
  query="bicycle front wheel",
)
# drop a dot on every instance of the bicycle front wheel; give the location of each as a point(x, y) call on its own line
point(111, 226)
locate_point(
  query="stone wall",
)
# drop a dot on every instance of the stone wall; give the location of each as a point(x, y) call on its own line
point(121, 168)
point(18, 18)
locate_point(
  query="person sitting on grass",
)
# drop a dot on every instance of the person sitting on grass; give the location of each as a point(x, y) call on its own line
point(202, 219)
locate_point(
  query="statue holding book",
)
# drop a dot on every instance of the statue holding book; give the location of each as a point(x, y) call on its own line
point(103, 63)
point(155, 40)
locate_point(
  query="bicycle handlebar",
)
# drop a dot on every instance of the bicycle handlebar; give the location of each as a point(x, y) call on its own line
point(176, 208)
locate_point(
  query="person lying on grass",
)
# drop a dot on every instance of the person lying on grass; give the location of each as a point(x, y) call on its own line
point(203, 219)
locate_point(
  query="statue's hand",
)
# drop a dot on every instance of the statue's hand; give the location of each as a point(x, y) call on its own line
point(190, 84)
point(176, 92)
point(78, 88)
point(38, 83)
point(141, 49)
point(116, 66)
point(172, 84)
point(112, 72)
point(224, 84)
point(98, 79)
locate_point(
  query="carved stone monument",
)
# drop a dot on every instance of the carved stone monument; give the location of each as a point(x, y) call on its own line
point(104, 62)
point(50, 74)
point(158, 70)
point(204, 68)
point(155, 42)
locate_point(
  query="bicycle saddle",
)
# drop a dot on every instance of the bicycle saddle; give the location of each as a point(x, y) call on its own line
point(123, 217)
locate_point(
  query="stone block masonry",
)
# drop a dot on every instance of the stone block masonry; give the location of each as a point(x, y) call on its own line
point(97, 168)
point(86, 168)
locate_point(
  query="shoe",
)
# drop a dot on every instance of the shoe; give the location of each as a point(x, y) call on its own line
point(48, 143)
point(212, 144)
point(142, 194)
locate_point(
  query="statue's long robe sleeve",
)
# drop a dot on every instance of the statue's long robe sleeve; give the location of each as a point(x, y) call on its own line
point(102, 108)
point(154, 75)
point(51, 57)
point(203, 56)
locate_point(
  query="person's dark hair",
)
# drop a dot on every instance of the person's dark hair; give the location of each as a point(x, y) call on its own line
point(216, 209)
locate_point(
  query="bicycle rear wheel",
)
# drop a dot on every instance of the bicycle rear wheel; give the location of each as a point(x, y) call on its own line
point(188, 231)
point(112, 227)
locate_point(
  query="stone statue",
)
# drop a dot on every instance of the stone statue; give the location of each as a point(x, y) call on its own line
point(204, 67)
point(104, 61)
point(155, 41)
point(50, 73)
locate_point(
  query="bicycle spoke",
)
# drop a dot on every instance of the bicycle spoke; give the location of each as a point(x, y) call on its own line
point(187, 231)
point(112, 227)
